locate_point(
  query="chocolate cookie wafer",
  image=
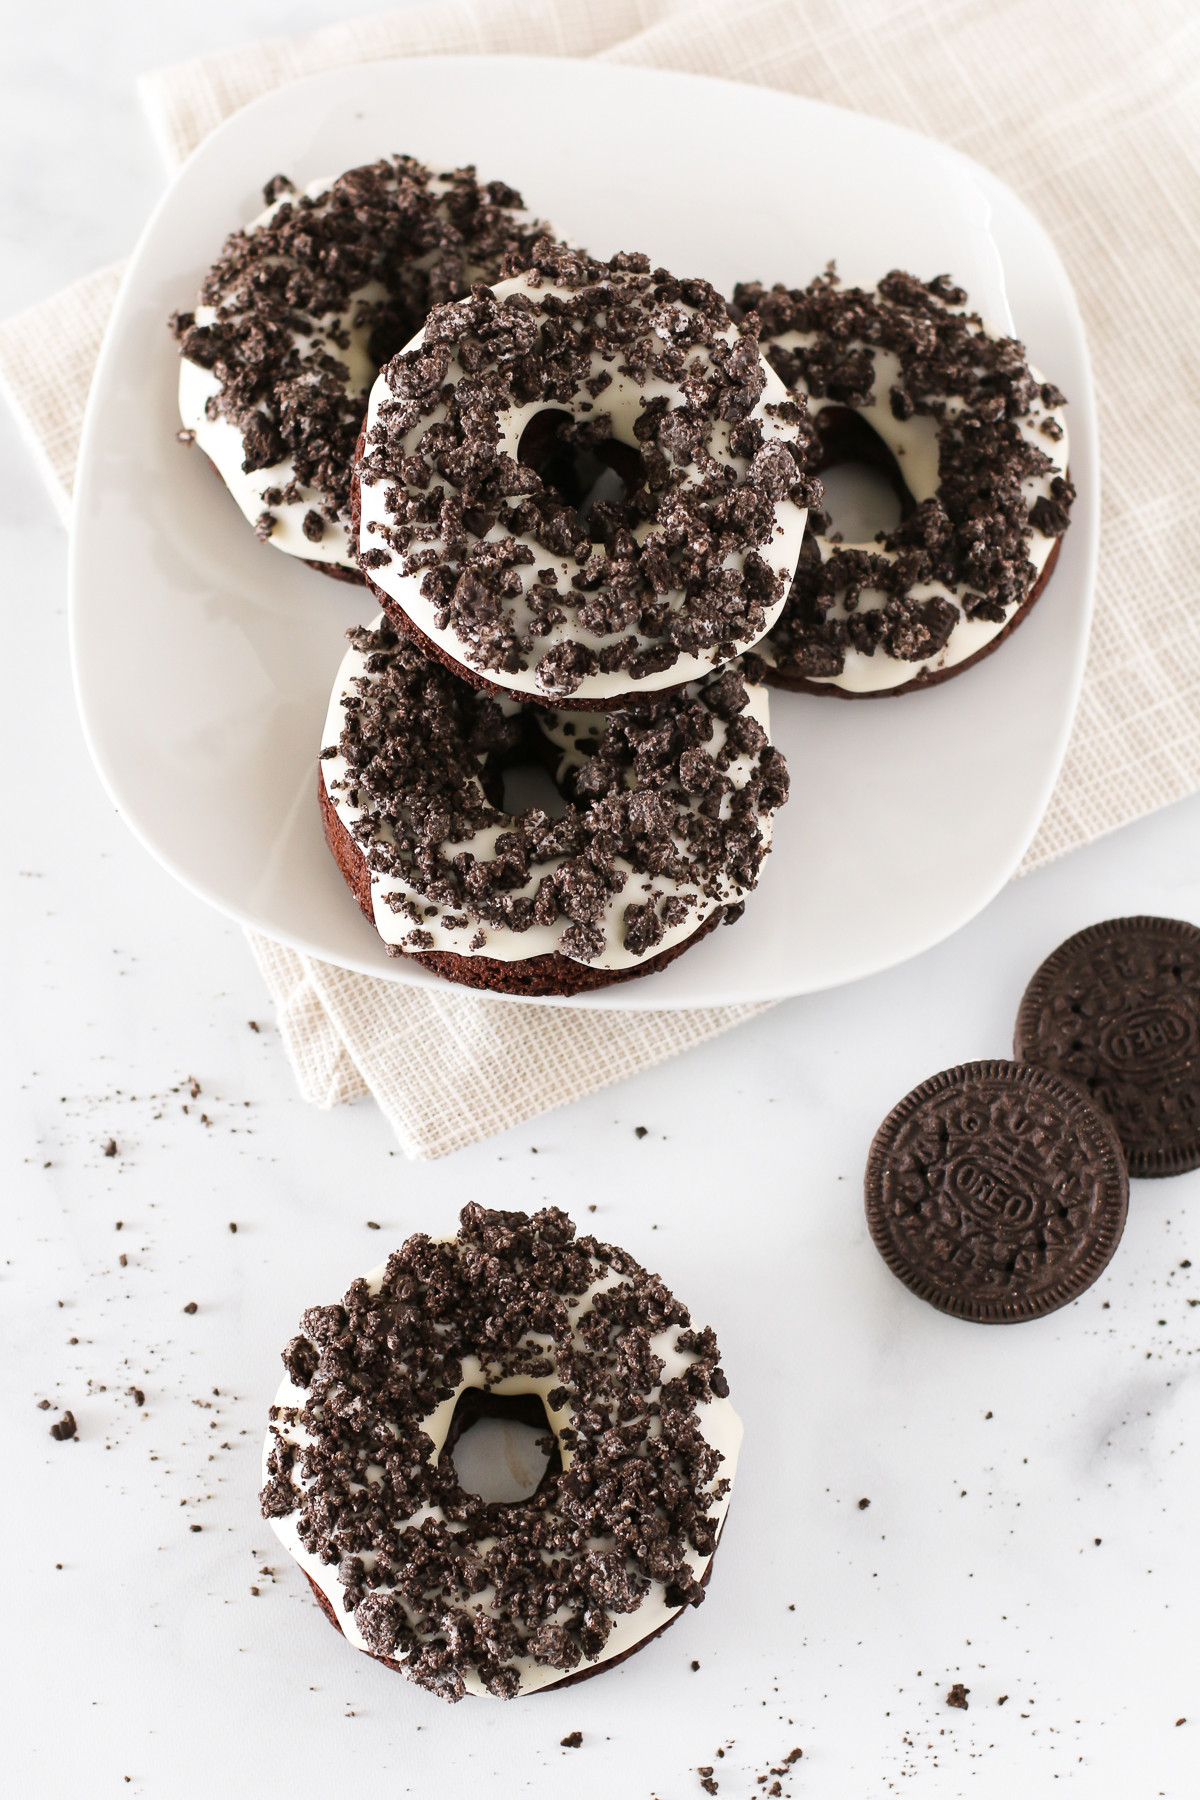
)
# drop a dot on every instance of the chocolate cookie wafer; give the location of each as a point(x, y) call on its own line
point(996, 1191)
point(1117, 1009)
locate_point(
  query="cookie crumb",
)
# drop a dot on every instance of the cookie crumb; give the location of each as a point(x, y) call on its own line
point(572, 1741)
point(372, 1226)
point(110, 1146)
point(191, 1307)
point(64, 1428)
point(253, 1024)
point(641, 1131)
point(863, 1504)
point(958, 1696)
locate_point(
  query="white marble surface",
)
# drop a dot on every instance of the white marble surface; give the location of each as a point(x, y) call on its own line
point(146, 1655)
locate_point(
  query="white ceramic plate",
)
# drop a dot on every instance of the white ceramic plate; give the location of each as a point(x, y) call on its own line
point(203, 661)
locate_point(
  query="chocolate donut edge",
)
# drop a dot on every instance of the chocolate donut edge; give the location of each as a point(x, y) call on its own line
point(801, 684)
point(545, 976)
point(551, 1687)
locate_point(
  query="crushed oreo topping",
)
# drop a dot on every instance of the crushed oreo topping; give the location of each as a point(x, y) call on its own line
point(677, 788)
point(475, 1585)
point(973, 536)
point(682, 565)
point(374, 252)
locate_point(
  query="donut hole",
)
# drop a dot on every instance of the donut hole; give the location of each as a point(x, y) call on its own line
point(501, 1446)
point(525, 777)
point(865, 491)
point(528, 785)
point(595, 478)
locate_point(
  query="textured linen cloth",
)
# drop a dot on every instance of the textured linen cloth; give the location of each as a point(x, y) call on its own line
point(1090, 110)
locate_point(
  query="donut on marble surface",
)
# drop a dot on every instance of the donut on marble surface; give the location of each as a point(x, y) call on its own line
point(297, 316)
point(582, 484)
point(467, 1596)
point(651, 827)
point(973, 442)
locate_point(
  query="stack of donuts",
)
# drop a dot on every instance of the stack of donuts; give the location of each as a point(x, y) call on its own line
point(586, 498)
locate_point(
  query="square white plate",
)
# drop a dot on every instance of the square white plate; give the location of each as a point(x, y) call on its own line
point(203, 661)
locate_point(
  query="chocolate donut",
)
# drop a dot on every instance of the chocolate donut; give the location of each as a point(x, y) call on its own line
point(299, 312)
point(514, 1315)
point(974, 444)
point(664, 815)
point(582, 484)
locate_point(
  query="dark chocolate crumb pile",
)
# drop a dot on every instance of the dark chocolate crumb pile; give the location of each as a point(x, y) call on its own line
point(391, 223)
point(589, 1542)
point(972, 537)
point(638, 606)
point(422, 746)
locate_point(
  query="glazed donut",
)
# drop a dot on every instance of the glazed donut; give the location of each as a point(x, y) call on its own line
point(298, 314)
point(667, 818)
point(466, 1596)
point(581, 484)
point(974, 443)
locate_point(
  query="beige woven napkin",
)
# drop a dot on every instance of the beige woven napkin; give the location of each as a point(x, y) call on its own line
point(1088, 109)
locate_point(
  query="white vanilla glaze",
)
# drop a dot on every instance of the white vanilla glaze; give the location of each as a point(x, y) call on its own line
point(221, 441)
point(500, 943)
point(625, 400)
point(719, 1425)
point(914, 444)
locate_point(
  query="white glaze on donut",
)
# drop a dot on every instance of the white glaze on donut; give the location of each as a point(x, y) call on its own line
point(499, 943)
point(914, 443)
point(719, 1425)
point(626, 399)
point(221, 440)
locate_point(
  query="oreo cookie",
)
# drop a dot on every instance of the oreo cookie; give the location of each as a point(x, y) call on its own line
point(996, 1191)
point(1117, 1010)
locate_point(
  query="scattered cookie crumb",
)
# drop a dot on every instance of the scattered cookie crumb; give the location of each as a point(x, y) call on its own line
point(233, 1225)
point(1002, 1699)
point(191, 1307)
point(695, 1665)
point(253, 1024)
point(137, 1396)
point(43, 1406)
point(372, 1226)
point(641, 1131)
point(863, 1504)
point(110, 1146)
point(958, 1696)
point(64, 1428)
point(572, 1741)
